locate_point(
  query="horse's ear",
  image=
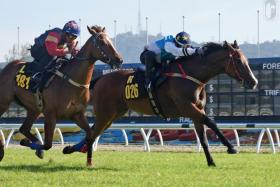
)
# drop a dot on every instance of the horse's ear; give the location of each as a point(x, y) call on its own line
point(103, 30)
point(225, 44)
point(235, 45)
point(91, 31)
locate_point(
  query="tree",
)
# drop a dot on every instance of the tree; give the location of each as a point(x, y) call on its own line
point(22, 54)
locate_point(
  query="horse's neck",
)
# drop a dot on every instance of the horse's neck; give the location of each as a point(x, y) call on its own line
point(204, 68)
point(81, 69)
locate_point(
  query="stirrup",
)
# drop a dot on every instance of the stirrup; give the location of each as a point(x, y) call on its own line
point(37, 76)
point(149, 86)
point(39, 100)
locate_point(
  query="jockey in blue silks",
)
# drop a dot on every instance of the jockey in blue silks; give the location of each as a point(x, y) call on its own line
point(166, 50)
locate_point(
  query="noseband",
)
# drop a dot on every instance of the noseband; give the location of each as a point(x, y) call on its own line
point(231, 64)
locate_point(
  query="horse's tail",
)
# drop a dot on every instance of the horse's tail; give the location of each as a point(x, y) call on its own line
point(8, 73)
point(7, 83)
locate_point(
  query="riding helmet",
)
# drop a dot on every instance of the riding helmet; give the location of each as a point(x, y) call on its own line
point(72, 27)
point(182, 39)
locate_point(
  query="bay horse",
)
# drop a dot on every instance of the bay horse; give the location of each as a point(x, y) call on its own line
point(66, 97)
point(181, 95)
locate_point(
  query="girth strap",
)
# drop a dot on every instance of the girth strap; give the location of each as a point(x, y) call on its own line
point(184, 75)
point(65, 77)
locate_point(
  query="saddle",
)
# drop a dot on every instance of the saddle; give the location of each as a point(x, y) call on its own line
point(135, 88)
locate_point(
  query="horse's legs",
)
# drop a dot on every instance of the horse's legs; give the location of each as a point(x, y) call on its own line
point(27, 125)
point(4, 105)
point(212, 125)
point(2, 153)
point(86, 144)
point(25, 130)
point(83, 123)
point(200, 129)
point(49, 126)
point(189, 109)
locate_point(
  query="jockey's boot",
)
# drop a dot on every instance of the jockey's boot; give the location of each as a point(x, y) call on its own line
point(45, 78)
point(148, 75)
point(41, 82)
point(149, 69)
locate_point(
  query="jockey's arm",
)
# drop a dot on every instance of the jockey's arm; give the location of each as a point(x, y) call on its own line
point(51, 44)
point(72, 45)
point(170, 47)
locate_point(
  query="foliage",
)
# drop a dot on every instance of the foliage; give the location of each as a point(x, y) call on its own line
point(131, 45)
point(138, 169)
point(15, 54)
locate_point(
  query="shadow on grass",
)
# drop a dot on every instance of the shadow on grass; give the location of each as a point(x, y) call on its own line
point(51, 168)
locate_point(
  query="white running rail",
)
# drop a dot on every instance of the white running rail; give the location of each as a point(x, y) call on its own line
point(264, 127)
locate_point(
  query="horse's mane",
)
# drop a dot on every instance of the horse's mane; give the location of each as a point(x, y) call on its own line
point(97, 28)
point(212, 47)
point(209, 48)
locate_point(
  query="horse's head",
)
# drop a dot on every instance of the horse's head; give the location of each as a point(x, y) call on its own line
point(103, 48)
point(237, 66)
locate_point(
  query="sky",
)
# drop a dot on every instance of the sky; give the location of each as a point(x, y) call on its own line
point(238, 18)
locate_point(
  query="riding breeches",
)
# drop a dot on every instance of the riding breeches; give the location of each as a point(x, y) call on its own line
point(41, 56)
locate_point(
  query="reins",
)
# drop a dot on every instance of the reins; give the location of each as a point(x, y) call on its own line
point(96, 41)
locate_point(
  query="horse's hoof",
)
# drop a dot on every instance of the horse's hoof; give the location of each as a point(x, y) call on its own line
point(2, 153)
point(212, 164)
point(89, 164)
point(232, 151)
point(25, 142)
point(39, 153)
point(68, 150)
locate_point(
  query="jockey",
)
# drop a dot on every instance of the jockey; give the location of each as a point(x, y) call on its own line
point(166, 50)
point(55, 43)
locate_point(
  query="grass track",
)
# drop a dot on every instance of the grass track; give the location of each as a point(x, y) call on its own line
point(20, 167)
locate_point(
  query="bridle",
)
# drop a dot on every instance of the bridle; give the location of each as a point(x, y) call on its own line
point(232, 64)
point(96, 42)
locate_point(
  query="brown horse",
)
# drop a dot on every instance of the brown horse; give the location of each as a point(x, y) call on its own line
point(181, 95)
point(68, 94)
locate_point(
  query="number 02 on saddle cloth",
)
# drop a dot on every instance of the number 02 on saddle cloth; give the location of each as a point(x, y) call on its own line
point(135, 87)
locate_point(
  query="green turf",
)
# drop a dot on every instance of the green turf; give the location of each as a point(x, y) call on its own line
point(20, 168)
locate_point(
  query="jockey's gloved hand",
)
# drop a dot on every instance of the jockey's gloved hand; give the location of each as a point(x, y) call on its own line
point(74, 52)
point(200, 51)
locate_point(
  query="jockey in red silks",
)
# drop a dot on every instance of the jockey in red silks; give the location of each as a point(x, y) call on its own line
point(166, 50)
point(55, 43)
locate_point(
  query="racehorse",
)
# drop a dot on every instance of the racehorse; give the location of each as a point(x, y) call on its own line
point(68, 94)
point(182, 94)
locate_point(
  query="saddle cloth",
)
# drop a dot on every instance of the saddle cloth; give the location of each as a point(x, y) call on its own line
point(135, 86)
point(24, 77)
point(31, 75)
